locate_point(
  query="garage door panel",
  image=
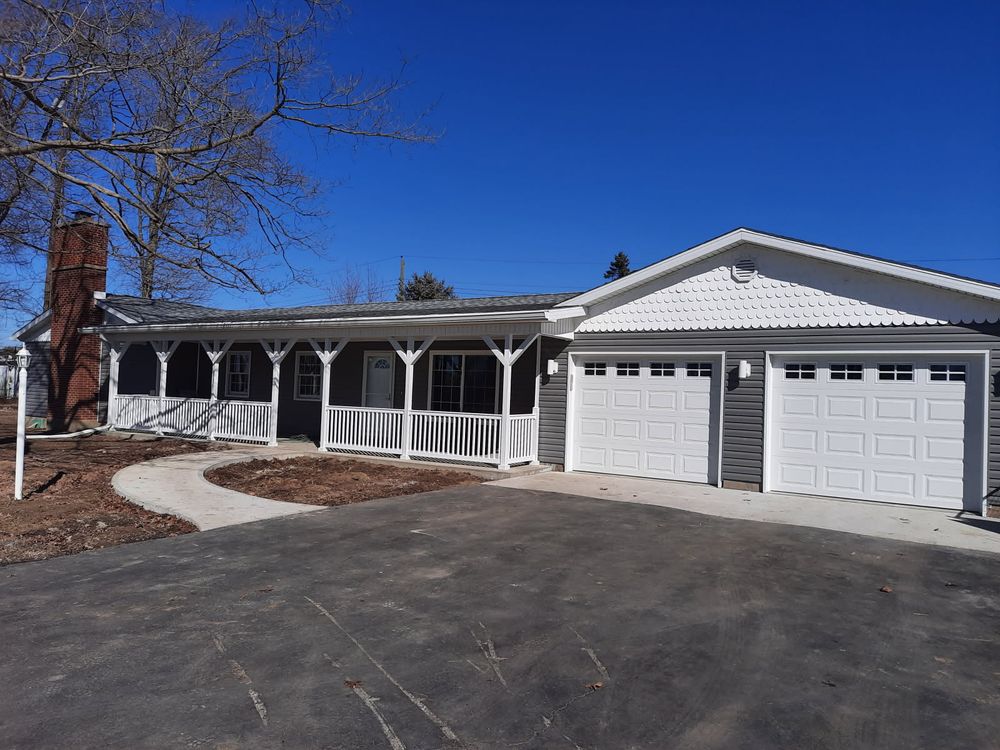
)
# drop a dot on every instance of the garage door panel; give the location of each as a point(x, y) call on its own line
point(905, 441)
point(846, 407)
point(643, 424)
point(845, 443)
point(661, 400)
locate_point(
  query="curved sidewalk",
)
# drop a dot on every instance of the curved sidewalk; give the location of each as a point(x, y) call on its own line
point(177, 485)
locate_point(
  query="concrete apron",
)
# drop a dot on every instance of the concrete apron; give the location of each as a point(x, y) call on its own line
point(946, 528)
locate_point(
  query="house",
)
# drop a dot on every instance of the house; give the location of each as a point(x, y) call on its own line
point(750, 361)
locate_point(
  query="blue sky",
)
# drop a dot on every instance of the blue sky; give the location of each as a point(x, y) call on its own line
point(573, 130)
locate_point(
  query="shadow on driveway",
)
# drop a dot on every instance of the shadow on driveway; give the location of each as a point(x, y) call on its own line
point(488, 617)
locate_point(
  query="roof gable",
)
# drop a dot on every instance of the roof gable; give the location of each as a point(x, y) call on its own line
point(621, 287)
point(788, 290)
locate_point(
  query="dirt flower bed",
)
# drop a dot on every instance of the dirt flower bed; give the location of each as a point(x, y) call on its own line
point(69, 504)
point(322, 480)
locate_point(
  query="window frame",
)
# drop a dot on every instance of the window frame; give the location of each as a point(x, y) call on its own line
point(299, 356)
point(666, 369)
point(698, 368)
point(628, 366)
point(895, 372)
point(602, 366)
point(229, 373)
point(950, 369)
point(463, 353)
point(860, 372)
point(801, 371)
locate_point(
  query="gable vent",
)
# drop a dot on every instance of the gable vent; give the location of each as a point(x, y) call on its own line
point(744, 269)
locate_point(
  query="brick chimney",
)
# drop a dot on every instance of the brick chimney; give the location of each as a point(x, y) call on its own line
point(79, 268)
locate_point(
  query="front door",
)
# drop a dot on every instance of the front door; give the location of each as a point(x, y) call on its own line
point(378, 380)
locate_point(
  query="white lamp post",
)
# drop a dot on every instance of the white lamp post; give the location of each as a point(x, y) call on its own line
point(23, 358)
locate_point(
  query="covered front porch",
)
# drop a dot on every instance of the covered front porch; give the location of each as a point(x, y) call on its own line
point(449, 397)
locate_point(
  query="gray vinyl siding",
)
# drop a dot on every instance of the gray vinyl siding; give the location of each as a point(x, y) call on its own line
point(552, 404)
point(743, 401)
point(37, 396)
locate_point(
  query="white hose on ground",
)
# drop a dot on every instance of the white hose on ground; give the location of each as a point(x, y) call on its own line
point(80, 433)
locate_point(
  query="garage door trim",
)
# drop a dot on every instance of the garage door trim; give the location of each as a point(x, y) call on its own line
point(982, 354)
point(577, 356)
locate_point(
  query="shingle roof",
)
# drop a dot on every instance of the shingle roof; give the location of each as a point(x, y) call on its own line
point(152, 312)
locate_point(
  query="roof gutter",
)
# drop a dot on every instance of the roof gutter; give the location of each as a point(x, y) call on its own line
point(518, 316)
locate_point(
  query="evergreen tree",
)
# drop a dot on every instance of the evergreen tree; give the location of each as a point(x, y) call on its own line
point(425, 286)
point(618, 268)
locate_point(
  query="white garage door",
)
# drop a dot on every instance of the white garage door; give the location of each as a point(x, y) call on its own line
point(647, 417)
point(875, 427)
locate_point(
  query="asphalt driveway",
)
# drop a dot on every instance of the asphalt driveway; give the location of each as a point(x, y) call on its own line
point(489, 617)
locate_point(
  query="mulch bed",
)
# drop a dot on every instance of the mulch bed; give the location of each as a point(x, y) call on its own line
point(69, 504)
point(324, 480)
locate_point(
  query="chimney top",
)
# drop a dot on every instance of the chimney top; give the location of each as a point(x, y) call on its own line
point(83, 215)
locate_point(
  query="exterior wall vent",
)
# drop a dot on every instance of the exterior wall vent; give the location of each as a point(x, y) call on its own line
point(744, 270)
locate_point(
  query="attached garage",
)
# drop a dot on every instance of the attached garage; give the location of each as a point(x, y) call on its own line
point(647, 415)
point(898, 428)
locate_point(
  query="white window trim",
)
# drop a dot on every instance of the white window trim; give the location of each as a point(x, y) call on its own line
point(391, 356)
point(461, 386)
point(229, 362)
point(295, 384)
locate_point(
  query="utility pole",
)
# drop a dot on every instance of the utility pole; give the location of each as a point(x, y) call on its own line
point(402, 279)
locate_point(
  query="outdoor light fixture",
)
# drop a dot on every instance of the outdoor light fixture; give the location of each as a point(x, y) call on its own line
point(744, 370)
point(23, 360)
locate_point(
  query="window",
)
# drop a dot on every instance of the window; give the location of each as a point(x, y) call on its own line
point(308, 376)
point(895, 372)
point(627, 369)
point(799, 371)
point(699, 369)
point(238, 374)
point(464, 382)
point(661, 369)
point(847, 372)
point(595, 368)
point(953, 373)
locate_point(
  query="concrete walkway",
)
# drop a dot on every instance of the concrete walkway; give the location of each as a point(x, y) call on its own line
point(924, 525)
point(177, 485)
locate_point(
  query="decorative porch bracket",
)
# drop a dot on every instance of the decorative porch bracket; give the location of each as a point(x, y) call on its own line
point(116, 350)
point(164, 351)
point(508, 356)
point(216, 350)
point(276, 351)
point(409, 355)
point(327, 352)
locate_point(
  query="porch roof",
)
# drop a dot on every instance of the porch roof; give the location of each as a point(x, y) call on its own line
point(135, 314)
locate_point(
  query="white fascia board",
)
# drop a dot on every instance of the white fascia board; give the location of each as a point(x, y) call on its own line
point(533, 316)
point(101, 303)
point(38, 321)
point(817, 252)
point(561, 313)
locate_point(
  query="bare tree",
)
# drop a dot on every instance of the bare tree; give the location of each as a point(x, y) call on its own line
point(354, 286)
point(171, 126)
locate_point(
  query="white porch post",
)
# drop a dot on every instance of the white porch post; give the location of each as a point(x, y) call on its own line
point(508, 356)
point(326, 352)
point(409, 357)
point(276, 351)
point(536, 411)
point(116, 350)
point(215, 350)
point(164, 351)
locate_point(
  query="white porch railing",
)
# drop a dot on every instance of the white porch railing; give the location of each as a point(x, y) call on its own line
point(364, 429)
point(247, 421)
point(452, 436)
